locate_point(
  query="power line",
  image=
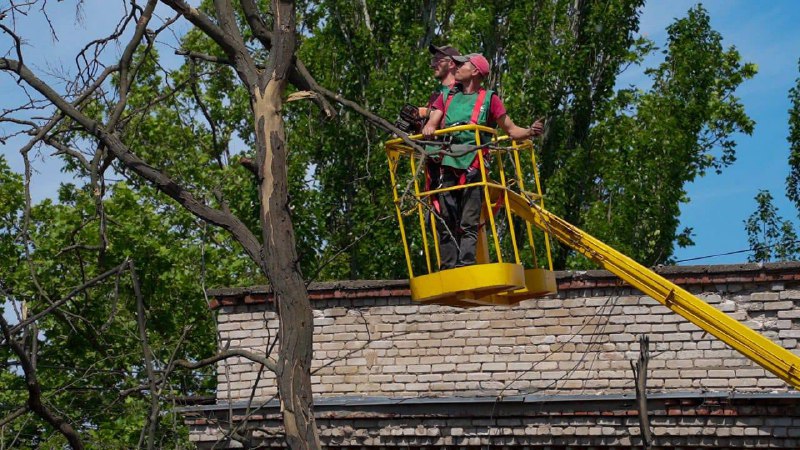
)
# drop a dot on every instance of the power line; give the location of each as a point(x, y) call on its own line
point(762, 247)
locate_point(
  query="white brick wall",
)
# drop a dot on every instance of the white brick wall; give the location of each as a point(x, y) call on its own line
point(580, 342)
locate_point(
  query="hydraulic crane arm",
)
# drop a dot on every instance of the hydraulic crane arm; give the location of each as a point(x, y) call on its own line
point(751, 344)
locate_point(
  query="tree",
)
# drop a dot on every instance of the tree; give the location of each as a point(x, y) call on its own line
point(770, 237)
point(187, 171)
point(275, 254)
point(89, 352)
point(554, 59)
point(655, 142)
point(793, 180)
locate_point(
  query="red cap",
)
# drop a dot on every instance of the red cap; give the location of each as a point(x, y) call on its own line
point(477, 60)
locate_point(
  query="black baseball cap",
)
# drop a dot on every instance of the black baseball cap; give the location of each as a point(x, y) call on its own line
point(445, 50)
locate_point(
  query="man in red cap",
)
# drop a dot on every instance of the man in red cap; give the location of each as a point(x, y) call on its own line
point(468, 103)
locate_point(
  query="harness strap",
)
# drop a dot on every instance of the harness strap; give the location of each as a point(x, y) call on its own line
point(448, 98)
point(476, 110)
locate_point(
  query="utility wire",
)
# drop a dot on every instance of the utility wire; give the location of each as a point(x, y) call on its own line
point(761, 247)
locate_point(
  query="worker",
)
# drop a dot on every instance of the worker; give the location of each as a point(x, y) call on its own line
point(468, 102)
point(444, 70)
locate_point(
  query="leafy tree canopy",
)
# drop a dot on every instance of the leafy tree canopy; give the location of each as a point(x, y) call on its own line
point(613, 161)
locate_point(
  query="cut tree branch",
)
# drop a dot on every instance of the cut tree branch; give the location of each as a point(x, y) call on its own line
point(371, 117)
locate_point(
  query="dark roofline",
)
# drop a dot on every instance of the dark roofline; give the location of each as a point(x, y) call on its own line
point(567, 280)
point(471, 402)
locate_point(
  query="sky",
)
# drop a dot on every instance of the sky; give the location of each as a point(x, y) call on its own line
point(763, 32)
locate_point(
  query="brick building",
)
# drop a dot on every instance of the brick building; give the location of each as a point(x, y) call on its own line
point(548, 373)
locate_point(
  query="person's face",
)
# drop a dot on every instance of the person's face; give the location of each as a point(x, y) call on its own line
point(441, 66)
point(465, 72)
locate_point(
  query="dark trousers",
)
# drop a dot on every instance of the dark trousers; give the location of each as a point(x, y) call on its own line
point(459, 219)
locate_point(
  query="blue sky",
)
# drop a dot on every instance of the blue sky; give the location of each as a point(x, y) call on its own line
point(764, 32)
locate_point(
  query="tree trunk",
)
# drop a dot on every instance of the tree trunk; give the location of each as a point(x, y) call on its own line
point(279, 255)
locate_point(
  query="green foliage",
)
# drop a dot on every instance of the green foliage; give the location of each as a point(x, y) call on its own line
point(11, 204)
point(648, 145)
point(89, 351)
point(614, 163)
point(771, 238)
point(793, 180)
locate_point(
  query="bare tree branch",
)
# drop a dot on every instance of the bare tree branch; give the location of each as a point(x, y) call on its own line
point(14, 415)
point(141, 321)
point(35, 402)
point(205, 57)
point(17, 41)
point(60, 115)
point(125, 74)
point(227, 22)
point(91, 62)
point(137, 165)
point(236, 50)
point(65, 150)
point(257, 25)
point(269, 363)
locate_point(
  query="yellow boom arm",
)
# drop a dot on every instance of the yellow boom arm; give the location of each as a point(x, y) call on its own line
point(758, 348)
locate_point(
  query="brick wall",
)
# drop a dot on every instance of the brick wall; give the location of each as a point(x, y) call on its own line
point(578, 342)
point(371, 342)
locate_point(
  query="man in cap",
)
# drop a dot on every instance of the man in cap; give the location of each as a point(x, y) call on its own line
point(444, 70)
point(468, 103)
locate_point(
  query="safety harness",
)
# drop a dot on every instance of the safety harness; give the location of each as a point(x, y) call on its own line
point(476, 112)
point(476, 162)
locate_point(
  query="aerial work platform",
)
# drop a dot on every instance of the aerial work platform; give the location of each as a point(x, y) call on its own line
point(504, 277)
point(514, 262)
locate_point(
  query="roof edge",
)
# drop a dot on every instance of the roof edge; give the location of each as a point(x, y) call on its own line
point(356, 402)
point(567, 280)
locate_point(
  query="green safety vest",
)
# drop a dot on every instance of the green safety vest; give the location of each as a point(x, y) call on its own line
point(445, 92)
point(458, 109)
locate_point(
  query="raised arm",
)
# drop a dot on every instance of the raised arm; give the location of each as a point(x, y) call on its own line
point(434, 119)
point(518, 133)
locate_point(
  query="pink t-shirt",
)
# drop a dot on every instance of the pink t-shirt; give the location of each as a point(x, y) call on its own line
point(496, 109)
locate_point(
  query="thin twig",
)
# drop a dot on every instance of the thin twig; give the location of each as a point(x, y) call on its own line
point(152, 419)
